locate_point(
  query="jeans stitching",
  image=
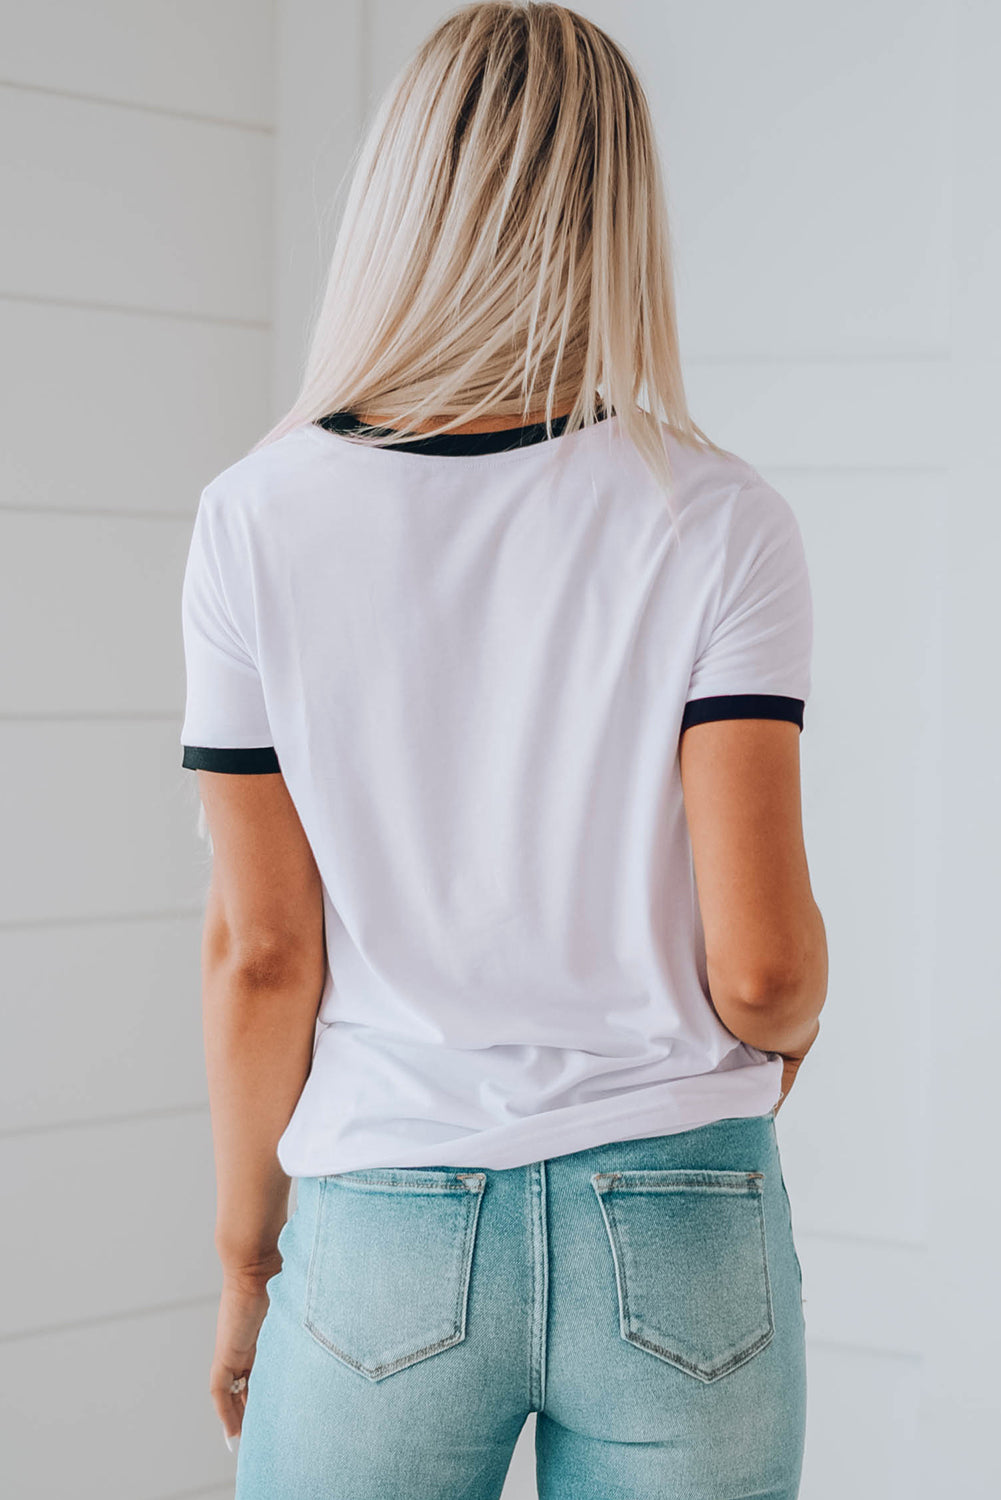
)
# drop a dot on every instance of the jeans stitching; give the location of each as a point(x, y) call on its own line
point(472, 1184)
point(604, 1184)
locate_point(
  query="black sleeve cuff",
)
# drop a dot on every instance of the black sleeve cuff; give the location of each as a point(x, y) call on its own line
point(743, 706)
point(253, 762)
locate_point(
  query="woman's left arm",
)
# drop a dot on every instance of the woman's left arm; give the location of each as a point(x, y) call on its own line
point(263, 968)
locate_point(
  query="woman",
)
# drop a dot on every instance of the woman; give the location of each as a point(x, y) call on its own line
point(495, 682)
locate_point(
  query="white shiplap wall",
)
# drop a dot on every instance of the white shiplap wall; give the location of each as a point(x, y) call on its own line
point(136, 316)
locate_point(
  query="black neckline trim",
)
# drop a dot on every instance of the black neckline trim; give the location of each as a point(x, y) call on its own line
point(499, 440)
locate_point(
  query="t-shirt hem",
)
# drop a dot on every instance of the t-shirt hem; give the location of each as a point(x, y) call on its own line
point(674, 1106)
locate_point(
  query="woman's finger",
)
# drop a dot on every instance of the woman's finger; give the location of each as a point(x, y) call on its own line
point(230, 1405)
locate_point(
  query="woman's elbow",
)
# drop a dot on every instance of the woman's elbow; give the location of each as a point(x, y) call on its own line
point(789, 979)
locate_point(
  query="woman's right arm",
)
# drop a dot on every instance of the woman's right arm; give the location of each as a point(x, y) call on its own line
point(766, 945)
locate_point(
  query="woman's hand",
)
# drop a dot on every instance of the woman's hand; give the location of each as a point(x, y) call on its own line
point(242, 1307)
point(790, 1066)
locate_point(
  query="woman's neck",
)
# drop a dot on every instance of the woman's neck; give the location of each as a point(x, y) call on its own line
point(478, 424)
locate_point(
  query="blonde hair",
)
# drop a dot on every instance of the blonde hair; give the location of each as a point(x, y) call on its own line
point(504, 247)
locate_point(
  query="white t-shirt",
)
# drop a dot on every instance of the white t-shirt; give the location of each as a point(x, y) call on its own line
point(472, 663)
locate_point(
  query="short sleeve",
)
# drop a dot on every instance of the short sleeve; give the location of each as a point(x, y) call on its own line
point(756, 662)
point(225, 725)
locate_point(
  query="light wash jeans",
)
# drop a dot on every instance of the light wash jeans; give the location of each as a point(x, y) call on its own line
point(643, 1297)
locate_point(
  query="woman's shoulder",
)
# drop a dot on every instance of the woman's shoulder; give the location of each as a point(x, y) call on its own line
point(710, 484)
point(269, 475)
point(704, 467)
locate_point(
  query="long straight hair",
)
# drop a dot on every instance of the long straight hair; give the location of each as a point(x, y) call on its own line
point(504, 246)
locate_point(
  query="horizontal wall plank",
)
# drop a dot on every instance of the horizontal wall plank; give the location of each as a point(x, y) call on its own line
point(861, 1426)
point(125, 1221)
point(113, 649)
point(217, 1492)
point(123, 411)
point(113, 1411)
point(103, 818)
point(182, 57)
point(220, 1492)
point(100, 1020)
point(162, 213)
point(808, 170)
point(850, 414)
point(864, 1294)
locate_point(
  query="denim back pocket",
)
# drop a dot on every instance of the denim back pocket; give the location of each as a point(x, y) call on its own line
point(691, 1265)
point(388, 1275)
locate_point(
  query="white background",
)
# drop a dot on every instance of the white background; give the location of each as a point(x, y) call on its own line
point(168, 174)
